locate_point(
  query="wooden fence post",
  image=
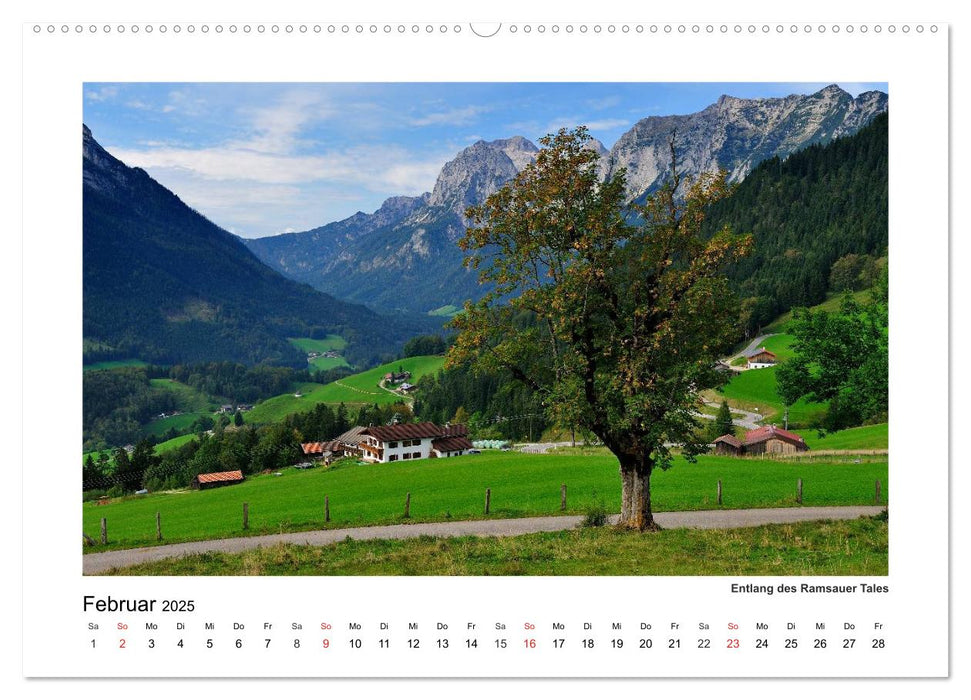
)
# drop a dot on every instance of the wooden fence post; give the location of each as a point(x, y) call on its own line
point(719, 492)
point(104, 531)
point(158, 525)
point(326, 509)
point(562, 496)
point(876, 498)
point(488, 498)
point(799, 491)
point(408, 504)
point(246, 516)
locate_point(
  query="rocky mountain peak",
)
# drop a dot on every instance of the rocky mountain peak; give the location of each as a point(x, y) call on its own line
point(736, 134)
point(521, 151)
point(101, 170)
point(480, 170)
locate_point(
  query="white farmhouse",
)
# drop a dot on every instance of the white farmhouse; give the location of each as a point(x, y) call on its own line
point(406, 441)
point(760, 359)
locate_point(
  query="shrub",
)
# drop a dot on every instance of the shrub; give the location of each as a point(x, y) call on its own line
point(596, 515)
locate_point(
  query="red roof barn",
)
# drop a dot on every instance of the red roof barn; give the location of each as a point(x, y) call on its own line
point(765, 440)
point(211, 480)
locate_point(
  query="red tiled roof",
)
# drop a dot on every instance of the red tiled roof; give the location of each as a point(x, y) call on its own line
point(457, 430)
point(770, 431)
point(404, 431)
point(220, 476)
point(318, 448)
point(729, 440)
point(451, 444)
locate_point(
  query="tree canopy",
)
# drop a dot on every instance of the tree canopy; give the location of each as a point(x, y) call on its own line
point(841, 358)
point(628, 312)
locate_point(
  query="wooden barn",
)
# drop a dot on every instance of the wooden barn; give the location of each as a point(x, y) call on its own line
point(765, 440)
point(728, 445)
point(760, 358)
point(214, 479)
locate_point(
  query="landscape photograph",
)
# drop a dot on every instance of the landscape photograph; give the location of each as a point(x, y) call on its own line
point(485, 329)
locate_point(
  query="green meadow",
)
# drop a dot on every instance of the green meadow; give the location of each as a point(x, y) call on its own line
point(114, 364)
point(356, 389)
point(755, 390)
point(781, 345)
point(167, 445)
point(442, 489)
point(331, 343)
point(867, 437)
point(447, 311)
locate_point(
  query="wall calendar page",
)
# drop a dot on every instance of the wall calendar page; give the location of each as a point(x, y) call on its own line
point(570, 350)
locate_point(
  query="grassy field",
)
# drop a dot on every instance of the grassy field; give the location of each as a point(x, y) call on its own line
point(113, 364)
point(321, 364)
point(192, 403)
point(781, 345)
point(189, 398)
point(331, 342)
point(522, 485)
point(446, 311)
point(356, 389)
point(180, 422)
point(755, 390)
point(824, 548)
point(160, 448)
point(867, 437)
point(164, 447)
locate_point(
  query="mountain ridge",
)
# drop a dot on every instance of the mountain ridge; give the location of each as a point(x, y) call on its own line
point(412, 263)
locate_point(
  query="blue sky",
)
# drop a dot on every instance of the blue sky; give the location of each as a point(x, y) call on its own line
point(260, 159)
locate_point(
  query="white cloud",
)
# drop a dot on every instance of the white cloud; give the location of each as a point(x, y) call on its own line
point(263, 193)
point(592, 124)
point(379, 168)
point(276, 128)
point(606, 124)
point(460, 116)
point(558, 123)
point(524, 127)
point(105, 92)
point(604, 102)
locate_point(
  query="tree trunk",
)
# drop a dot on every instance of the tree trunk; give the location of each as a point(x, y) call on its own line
point(635, 510)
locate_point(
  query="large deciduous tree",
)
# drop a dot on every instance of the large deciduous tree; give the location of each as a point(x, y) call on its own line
point(613, 314)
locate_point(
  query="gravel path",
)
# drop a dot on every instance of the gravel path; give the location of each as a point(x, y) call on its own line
point(698, 519)
point(744, 419)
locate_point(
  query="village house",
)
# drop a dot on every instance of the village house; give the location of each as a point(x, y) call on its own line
point(760, 358)
point(395, 377)
point(406, 441)
point(765, 440)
